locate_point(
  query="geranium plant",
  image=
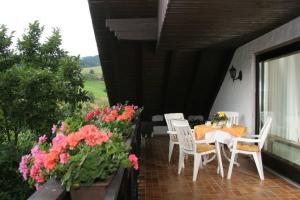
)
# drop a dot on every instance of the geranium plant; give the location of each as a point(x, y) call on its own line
point(117, 118)
point(75, 158)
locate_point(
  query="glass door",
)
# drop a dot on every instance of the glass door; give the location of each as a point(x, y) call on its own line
point(279, 97)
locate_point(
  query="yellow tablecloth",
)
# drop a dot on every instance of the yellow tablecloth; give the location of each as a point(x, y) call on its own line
point(201, 130)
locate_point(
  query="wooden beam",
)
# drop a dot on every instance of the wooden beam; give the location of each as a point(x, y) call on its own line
point(140, 29)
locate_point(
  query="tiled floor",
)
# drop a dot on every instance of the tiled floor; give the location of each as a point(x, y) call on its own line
point(159, 179)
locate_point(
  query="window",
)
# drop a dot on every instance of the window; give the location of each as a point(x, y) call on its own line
point(279, 88)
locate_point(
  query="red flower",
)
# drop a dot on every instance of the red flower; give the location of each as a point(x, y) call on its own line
point(97, 112)
point(89, 116)
point(114, 113)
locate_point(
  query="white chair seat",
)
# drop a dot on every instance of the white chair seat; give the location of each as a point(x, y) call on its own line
point(247, 147)
point(201, 148)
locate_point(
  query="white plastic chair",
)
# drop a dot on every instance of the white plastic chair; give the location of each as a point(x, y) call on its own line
point(188, 145)
point(171, 130)
point(251, 149)
point(233, 117)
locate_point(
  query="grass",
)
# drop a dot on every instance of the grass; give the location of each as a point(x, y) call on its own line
point(95, 84)
point(97, 70)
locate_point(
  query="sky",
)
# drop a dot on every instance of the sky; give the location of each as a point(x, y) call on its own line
point(72, 17)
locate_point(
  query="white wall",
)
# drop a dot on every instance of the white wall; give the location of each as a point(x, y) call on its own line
point(239, 95)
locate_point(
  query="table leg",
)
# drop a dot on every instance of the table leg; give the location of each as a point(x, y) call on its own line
point(207, 159)
point(227, 158)
point(220, 164)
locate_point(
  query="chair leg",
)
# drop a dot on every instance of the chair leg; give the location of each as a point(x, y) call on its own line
point(231, 164)
point(171, 146)
point(236, 160)
point(261, 164)
point(183, 158)
point(197, 159)
point(201, 162)
point(257, 163)
point(205, 158)
point(180, 161)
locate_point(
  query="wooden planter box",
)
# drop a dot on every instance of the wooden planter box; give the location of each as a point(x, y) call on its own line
point(96, 191)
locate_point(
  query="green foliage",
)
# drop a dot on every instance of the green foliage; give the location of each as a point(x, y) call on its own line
point(73, 122)
point(84, 169)
point(12, 186)
point(29, 45)
point(72, 83)
point(41, 79)
point(90, 61)
point(7, 56)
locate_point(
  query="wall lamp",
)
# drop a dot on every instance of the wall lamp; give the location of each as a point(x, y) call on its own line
point(232, 72)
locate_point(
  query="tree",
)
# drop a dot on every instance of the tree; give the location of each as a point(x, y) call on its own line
point(36, 81)
point(7, 55)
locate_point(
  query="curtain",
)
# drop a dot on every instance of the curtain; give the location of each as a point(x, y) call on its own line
point(281, 96)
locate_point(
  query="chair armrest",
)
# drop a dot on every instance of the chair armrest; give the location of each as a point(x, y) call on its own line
point(172, 132)
point(247, 140)
point(201, 142)
point(251, 136)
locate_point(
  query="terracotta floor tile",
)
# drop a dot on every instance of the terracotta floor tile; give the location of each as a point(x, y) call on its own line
point(159, 179)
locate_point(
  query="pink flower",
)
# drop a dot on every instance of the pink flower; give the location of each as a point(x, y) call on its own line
point(59, 143)
point(23, 169)
point(93, 136)
point(36, 172)
point(35, 150)
point(134, 161)
point(64, 158)
point(54, 128)
point(40, 179)
point(42, 139)
point(74, 138)
point(58, 139)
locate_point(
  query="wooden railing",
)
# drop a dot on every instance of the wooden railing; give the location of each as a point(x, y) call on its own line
point(123, 186)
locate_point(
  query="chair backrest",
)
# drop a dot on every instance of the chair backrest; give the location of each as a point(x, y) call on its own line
point(233, 117)
point(172, 116)
point(185, 135)
point(264, 132)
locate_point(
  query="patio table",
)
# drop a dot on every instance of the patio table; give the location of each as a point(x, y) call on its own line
point(235, 131)
point(223, 135)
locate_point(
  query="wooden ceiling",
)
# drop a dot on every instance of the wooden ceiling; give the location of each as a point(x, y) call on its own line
point(205, 23)
point(166, 55)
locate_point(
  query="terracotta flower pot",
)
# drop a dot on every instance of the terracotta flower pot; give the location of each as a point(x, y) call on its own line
point(96, 191)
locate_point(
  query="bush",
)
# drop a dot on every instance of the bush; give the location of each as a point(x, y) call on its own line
point(12, 187)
